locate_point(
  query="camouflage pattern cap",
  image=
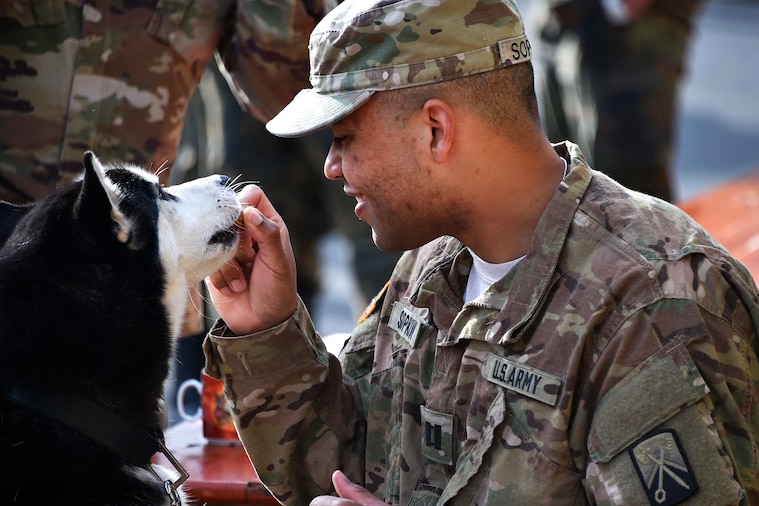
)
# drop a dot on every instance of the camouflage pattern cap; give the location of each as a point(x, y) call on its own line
point(365, 46)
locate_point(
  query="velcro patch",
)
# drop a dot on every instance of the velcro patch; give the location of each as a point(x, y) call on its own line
point(663, 470)
point(523, 379)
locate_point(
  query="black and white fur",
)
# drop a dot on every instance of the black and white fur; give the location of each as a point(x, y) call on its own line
point(94, 281)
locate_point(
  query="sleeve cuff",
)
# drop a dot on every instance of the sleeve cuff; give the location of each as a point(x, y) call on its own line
point(226, 351)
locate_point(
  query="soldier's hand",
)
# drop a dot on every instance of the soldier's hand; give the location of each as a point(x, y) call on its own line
point(257, 289)
point(350, 494)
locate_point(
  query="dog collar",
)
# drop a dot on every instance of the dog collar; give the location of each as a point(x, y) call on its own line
point(97, 422)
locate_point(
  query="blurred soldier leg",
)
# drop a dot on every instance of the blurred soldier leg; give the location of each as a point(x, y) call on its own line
point(614, 87)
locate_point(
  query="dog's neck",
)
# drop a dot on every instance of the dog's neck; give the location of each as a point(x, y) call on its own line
point(94, 420)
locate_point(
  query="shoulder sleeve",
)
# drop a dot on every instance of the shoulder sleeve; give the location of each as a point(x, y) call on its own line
point(296, 417)
point(679, 421)
point(266, 62)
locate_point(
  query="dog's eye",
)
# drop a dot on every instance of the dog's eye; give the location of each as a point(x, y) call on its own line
point(163, 194)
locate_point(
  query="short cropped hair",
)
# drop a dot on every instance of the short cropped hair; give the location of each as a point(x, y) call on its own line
point(504, 98)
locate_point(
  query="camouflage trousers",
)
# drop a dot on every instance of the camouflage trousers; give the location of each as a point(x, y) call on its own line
point(614, 89)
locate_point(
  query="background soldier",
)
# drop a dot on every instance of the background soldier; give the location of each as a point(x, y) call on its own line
point(610, 75)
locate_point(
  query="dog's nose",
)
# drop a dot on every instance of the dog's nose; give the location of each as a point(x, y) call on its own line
point(224, 180)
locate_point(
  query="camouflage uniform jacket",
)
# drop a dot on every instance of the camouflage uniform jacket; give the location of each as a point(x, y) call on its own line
point(616, 362)
point(116, 76)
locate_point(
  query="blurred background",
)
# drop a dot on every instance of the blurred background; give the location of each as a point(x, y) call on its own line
point(719, 120)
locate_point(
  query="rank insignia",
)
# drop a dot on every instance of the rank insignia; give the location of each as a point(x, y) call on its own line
point(663, 469)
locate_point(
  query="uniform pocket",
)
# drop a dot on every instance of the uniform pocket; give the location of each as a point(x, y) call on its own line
point(507, 464)
point(193, 28)
point(167, 19)
point(543, 481)
point(34, 13)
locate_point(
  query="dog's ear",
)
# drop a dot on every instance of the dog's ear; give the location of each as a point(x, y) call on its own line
point(10, 214)
point(98, 201)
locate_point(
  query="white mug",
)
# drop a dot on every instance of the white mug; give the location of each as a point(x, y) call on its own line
point(218, 426)
point(187, 384)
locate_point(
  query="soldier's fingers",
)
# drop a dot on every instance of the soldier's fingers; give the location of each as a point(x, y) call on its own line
point(260, 218)
point(328, 500)
point(355, 494)
point(234, 274)
point(246, 248)
point(231, 277)
point(253, 195)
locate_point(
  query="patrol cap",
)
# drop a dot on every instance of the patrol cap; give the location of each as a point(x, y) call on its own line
point(363, 46)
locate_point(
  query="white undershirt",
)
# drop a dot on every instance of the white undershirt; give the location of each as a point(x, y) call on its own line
point(484, 274)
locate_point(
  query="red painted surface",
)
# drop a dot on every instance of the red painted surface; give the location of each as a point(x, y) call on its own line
point(220, 474)
point(730, 213)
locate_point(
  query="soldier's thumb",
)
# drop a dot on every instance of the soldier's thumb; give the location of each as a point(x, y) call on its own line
point(349, 490)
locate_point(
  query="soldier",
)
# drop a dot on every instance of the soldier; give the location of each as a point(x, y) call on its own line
point(549, 337)
point(610, 77)
point(116, 77)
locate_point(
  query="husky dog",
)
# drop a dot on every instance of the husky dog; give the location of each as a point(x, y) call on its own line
point(93, 286)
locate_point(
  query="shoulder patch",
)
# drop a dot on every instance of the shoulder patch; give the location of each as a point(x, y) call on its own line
point(663, 469)
point(374, 303)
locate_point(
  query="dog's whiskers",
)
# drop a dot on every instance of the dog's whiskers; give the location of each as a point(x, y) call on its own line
point(230, 184)
point(234, 180)
point(162, 168)
point(236, 186)
point(204, 298)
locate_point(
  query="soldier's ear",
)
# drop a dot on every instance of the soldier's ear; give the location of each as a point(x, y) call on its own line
point(438, 116)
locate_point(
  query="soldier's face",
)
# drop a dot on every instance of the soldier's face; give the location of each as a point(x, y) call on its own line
point(383, 165)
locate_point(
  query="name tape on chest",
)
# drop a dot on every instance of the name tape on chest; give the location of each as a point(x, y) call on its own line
point(407, 323)
point(523, 379)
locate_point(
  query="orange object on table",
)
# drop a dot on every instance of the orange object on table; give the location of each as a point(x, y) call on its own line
point(220, 474)
point(730, 213)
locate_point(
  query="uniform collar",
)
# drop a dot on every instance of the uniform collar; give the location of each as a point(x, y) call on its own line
point(536, 273)
point(530, 280)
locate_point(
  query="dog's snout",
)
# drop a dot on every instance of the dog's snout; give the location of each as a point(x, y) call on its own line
point(224, 180)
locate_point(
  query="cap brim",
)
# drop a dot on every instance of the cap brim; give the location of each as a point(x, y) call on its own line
point(310, 111)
